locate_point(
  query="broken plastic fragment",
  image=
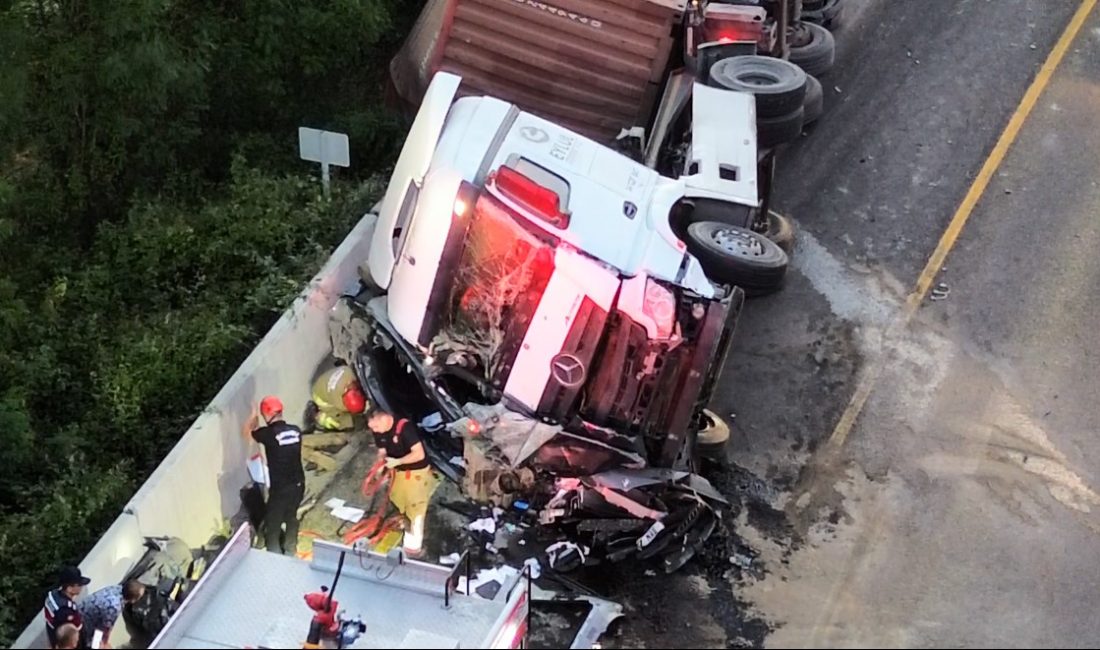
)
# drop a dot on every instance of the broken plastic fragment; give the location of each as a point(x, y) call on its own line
point(741, 560)
point(485, 524)
point(536, 568)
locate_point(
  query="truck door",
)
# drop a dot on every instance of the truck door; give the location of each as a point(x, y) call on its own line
point(409, 173)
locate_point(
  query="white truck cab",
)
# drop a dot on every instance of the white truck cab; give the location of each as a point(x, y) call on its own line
point(547, 265)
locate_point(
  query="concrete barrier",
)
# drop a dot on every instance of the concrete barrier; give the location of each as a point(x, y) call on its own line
point(197, 486)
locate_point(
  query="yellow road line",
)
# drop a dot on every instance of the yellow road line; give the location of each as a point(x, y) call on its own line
point(958, 221)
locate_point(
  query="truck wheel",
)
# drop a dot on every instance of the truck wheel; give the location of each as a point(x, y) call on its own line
point(774, 131)
point(738, 256)
point(779, 86)
point(780, 231)
point(826, 13)
point(812, 48)
point(814, 105)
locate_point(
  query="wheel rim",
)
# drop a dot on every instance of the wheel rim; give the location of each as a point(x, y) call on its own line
point(800, 36)
point(738, 244)
point(759, 79)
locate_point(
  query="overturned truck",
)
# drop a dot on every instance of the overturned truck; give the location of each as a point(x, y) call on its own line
point(556, 313)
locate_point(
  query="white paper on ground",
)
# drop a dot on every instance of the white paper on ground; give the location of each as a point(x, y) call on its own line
point(334, 503)
point(347, 513)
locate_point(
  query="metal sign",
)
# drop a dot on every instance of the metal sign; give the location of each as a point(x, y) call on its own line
point(325, 147)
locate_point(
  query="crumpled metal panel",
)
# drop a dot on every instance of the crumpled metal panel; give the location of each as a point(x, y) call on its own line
point(591, 66)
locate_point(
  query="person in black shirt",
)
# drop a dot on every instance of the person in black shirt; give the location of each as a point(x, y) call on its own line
point(283, 447)
point(399, 445)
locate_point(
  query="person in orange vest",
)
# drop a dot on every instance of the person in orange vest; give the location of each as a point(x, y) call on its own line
point(399, 444)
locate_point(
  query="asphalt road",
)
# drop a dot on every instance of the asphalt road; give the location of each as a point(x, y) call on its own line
point(961, 509)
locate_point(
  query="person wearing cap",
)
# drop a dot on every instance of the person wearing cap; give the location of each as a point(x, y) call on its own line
point(399, 445)
point(338, 398)
point(60, 607)
point(100, 611)
point(282, 443)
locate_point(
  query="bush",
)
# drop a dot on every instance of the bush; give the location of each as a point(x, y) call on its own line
point(127, 350)
point(154, 222)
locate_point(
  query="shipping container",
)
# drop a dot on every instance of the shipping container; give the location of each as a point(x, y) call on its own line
point(592, 66)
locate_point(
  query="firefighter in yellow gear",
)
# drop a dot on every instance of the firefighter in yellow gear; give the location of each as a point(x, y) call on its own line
point(399, 444)
point(338, 398)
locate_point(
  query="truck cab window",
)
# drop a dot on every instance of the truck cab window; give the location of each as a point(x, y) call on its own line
point(543, 177)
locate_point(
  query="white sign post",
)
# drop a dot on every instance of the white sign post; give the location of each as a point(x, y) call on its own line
point(325, 147)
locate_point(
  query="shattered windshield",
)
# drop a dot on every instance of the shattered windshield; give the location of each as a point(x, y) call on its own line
point(496, 287)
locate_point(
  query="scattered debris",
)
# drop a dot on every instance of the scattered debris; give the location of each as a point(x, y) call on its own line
point(485, 525)
point(741, 560)
point(565, 555)
point(534, 566)
point(349, 514)
point(450, 560)
point(334, 503)
point(940, 291)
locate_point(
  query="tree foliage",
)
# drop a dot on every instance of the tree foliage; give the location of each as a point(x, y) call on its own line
point(154, 222)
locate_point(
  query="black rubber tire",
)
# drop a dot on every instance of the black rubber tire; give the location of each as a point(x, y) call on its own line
point(780, 231)
point(816, 56)
point(738, 256)
point(774, 131)
point(828, 14)
point(814, 105)
point(779, 86)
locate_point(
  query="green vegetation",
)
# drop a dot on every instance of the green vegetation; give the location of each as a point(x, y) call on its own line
point(154, 222)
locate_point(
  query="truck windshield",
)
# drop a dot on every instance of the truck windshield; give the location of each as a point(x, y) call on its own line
point(495, 288)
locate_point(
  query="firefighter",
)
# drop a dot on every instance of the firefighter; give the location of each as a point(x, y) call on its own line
point(400, 446)
point(338, 398)
point(283, 447)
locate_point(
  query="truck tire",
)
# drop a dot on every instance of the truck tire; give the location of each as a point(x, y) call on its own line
point(814, 104)
point(815, 50)
point(738, 256)
point(779, 86)
point(774, 131)
point(826, 13)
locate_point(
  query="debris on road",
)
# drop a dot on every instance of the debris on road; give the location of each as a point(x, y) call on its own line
point(741, 560)
point(940, 291)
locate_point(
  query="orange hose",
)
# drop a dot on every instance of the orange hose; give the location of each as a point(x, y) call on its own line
point(374, 526)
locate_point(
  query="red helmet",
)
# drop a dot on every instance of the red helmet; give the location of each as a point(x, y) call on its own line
point(354, 400)
point(271, 406)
